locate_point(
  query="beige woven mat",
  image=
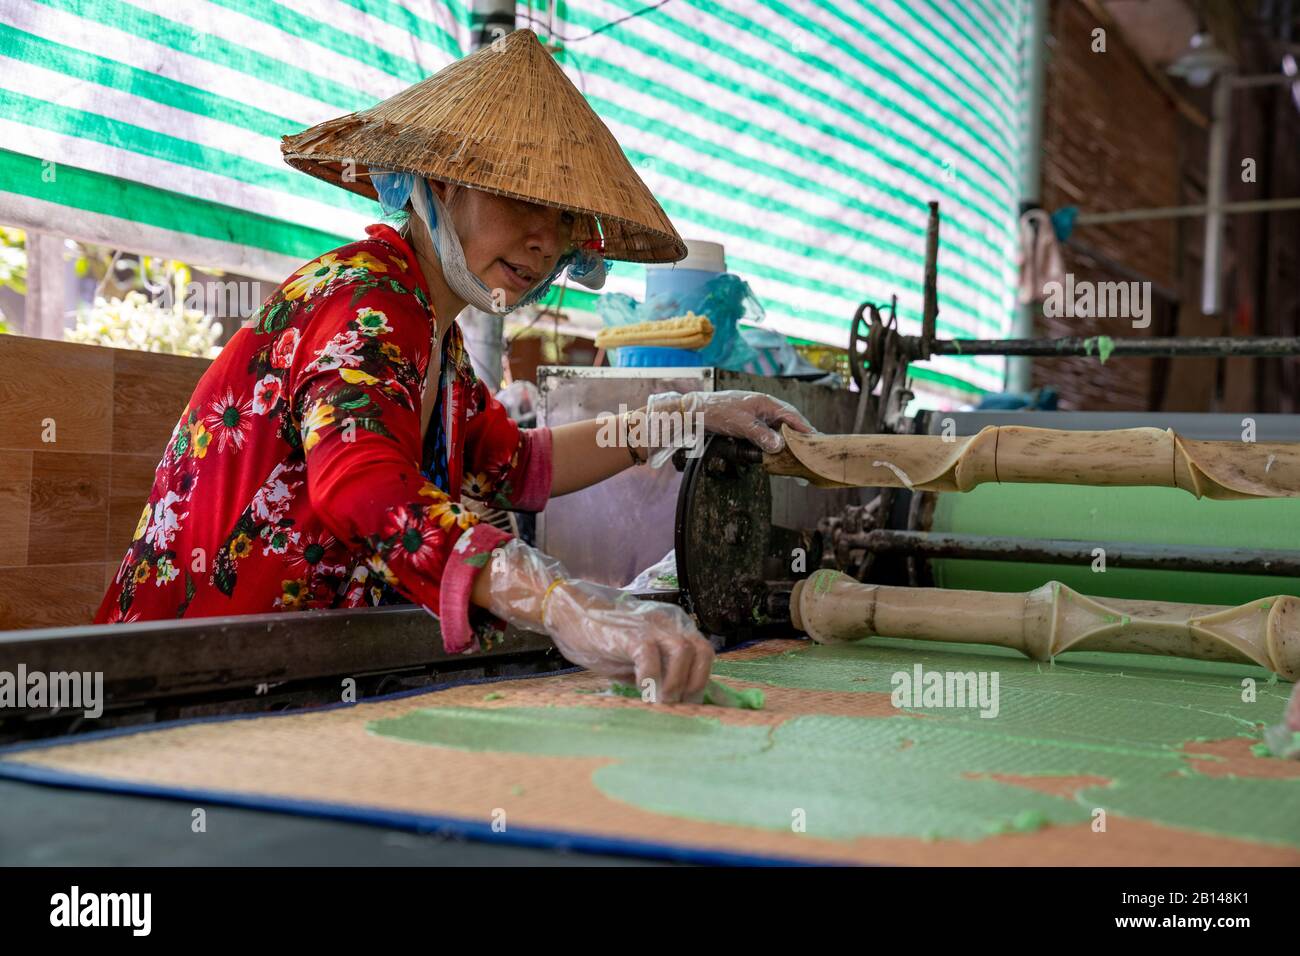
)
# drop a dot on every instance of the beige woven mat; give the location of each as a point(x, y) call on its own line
point(330, 757)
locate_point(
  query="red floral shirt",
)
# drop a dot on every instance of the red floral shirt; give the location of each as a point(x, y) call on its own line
point(296, 477)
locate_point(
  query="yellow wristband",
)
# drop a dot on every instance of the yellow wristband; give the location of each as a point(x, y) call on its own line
point(556, 582)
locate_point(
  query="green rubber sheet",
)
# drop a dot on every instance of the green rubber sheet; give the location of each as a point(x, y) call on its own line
point(923, 772)
point(1166, 516)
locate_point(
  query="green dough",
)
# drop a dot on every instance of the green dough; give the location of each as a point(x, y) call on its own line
point(1147, 515)
point(723, 696)
point(717, 694)
point(1120, 717)
point(624, 690)
point(1025, 822)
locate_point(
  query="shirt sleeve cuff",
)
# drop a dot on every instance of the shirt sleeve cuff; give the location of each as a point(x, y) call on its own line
point(458, 581)
point(536, 469)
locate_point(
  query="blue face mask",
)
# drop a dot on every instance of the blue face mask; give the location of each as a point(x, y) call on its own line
point(586, 267)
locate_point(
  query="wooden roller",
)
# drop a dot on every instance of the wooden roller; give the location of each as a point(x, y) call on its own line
point(831, 607)
point(1016, 453)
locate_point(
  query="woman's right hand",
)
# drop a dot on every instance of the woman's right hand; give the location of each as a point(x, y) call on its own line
point(601, 628)
point(651, 644)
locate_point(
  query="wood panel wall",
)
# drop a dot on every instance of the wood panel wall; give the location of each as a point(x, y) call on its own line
point(69, 507)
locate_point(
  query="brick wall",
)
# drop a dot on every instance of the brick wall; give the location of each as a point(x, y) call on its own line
point(1110, 142)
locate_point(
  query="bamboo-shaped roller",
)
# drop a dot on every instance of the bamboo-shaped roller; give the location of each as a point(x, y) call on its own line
point(1016, 453)
point(831, 607)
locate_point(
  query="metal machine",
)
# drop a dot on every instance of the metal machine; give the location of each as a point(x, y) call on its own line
point(737, 567)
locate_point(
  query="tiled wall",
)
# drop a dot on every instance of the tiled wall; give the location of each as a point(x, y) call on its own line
point(68, 507)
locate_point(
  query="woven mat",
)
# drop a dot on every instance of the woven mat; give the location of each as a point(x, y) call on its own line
point(829, 771)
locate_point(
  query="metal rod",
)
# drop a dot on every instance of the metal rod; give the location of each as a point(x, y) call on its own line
point(1033, 84)
point(930, 306)
point(1121, 270)
point(1124, 347)
point(1261, 79)
point(1176, 212)
point(1274, 563)
point(1216, 184)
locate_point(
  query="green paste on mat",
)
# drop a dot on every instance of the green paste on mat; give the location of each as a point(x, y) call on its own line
point(719, 694)
point(1026, 822)
point(624, 690)
point(1123, 718)
point(716, 694)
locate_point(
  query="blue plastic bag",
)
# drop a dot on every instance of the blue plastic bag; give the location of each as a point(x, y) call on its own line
point(725, 300)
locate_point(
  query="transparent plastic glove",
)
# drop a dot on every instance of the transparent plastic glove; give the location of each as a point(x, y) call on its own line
point(749, 415)
point(601, 628)
point(1283, 740)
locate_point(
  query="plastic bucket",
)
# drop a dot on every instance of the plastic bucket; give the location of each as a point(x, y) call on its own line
point(653, 356)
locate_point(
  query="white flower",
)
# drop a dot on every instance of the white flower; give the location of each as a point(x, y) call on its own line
point(340, 351)
point(165, 523)
point(266, 394)
point(138, 322)
point(273, 500)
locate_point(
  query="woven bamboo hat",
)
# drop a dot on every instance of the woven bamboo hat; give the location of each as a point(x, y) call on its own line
point(507, 120)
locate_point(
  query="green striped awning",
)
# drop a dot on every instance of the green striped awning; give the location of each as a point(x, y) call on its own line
point(805, 135)
point(808, 137)
point(155, 125)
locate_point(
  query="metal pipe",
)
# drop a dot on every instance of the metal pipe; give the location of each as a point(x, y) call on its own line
point(1176, 212)
point(1033, 38)
point(1216, 186)
point(1260, 79)
point(485, 331)
point(1121, 270)
point(1274, 563)
point(1124, 347)
point(1222, 101)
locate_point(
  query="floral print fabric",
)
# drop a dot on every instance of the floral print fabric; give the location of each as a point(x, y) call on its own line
point(296, 477)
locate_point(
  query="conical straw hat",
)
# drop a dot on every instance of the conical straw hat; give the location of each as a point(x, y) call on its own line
point(507, 120)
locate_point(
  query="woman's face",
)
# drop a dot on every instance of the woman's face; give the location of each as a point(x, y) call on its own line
point(508, 243)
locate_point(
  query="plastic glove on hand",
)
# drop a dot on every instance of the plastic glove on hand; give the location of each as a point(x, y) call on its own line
point(750, 415)
point(652, 644)
point(603, 629)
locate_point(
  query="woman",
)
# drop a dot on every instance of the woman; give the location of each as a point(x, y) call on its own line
point(321, 461)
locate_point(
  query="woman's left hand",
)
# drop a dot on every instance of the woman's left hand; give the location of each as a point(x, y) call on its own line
point(750, 415)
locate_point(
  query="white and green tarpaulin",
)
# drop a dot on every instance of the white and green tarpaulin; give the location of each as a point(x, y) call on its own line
point(805, 135)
